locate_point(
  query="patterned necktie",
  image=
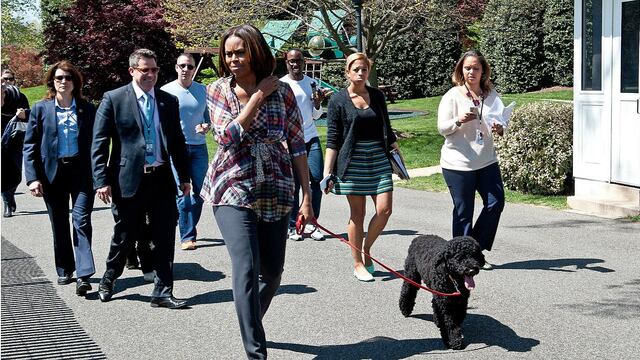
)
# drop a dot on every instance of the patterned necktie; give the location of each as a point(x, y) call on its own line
point(149, 130)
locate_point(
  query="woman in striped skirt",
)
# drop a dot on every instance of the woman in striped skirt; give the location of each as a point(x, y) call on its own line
point(359, 138)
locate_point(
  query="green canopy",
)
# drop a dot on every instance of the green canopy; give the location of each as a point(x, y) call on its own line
point(278, 32)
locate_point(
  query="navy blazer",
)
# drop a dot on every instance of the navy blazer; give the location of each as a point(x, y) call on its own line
point(40, 149)
point(118, 122)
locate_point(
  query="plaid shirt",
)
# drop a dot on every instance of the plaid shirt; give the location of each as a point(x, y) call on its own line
point(252, 168)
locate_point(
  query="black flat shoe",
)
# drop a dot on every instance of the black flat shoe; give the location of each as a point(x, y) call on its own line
point(168, 302)
point(64, 280)
point(7, 210)
point(82, 286)
point(105, 289)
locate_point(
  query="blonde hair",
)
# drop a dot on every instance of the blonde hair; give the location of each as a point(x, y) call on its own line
point(355, 57)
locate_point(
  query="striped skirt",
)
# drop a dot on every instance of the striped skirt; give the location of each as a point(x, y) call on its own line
point(368, 173)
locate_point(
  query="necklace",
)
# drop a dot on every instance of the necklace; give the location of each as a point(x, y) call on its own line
point(476, 102)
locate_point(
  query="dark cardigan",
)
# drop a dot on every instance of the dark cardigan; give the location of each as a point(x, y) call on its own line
point(341, 116)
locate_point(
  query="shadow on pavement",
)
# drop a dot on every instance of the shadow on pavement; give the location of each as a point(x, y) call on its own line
point(621, 301)
point(194, 271)
point(206, 242)
point(481, 331)
point(220, 296)
point(556, 265)
point(376, 348)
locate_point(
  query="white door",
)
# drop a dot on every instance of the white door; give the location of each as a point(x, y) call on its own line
point(625, 110)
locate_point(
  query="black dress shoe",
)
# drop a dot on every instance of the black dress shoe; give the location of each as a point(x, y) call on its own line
point(64, 280)
point(7, 210)
point(168, 302)
point(82, 286)
point(105, 289)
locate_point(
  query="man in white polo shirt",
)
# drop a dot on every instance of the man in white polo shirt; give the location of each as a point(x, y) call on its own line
point(309, 97)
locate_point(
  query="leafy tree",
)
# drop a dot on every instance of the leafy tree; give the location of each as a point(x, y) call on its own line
point(201, 22)
point(98, 36)
point(16, 30)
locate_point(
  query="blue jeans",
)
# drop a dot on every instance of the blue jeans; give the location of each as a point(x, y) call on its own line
point(462, 187)
point(190, 207)
point(316, 167)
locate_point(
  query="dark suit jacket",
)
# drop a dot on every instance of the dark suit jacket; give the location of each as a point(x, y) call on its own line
point(40, 149)
point(118, 121)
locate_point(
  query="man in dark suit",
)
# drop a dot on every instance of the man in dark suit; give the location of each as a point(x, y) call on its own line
point(143, 124)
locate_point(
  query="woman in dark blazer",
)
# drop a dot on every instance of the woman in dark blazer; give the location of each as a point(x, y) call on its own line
point(359, 138)
point(57, 162)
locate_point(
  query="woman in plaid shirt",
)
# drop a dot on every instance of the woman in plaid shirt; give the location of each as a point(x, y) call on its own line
point(250, 183)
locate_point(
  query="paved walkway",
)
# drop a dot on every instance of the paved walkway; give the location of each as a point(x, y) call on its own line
point(566, 287)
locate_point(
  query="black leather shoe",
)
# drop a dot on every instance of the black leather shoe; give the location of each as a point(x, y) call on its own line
point(7, 210)
point(64, 280)
point(105, 289)
point(168, 302)
point(12, 204)
point(82, 286)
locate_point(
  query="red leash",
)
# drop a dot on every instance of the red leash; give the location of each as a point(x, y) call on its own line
point(299, 230)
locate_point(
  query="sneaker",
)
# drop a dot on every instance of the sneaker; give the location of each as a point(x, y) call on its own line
point(188, 245)
point(313, 232)
point(487, 266)
point(293, 235)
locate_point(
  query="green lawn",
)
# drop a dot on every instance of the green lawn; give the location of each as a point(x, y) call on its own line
point(34, 94)
point(435, 183)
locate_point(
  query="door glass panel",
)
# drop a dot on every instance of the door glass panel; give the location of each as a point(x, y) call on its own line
point(630, 29)
point(592, 45)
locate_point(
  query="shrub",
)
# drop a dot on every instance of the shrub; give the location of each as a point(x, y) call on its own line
point(207, 76)
point(333, 73)
point(558, 42)
point(536, 152)
point(419, 63)
point(25, 63)
point(512, 42)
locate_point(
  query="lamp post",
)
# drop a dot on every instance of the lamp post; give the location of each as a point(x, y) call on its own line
point(357, 4)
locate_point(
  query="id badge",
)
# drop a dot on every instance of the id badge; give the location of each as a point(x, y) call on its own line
point(479, 137)
point(148, 149)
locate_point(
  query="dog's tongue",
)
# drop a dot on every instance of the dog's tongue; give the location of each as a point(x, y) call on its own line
point(469, 283)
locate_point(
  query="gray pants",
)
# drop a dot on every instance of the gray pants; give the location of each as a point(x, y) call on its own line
point(257, 251)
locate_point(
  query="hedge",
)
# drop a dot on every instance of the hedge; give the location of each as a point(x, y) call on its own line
point(536, 152)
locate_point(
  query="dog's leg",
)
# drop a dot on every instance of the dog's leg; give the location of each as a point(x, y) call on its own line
point(455, 311)
point(409, 292)
point(439, 319)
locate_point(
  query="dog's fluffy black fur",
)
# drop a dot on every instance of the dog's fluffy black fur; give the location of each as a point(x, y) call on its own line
point(439, 263)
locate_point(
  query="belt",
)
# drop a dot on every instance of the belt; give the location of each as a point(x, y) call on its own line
point(67, 160)
point(148, 169)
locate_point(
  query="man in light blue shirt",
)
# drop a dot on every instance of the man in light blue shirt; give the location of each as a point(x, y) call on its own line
point(194, 119)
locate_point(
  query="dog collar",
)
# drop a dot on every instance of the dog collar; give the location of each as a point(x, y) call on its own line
point(455, 285)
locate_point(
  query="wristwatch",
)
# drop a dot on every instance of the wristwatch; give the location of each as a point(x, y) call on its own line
point(458, 123)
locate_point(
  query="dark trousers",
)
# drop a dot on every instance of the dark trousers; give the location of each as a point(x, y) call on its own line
point(316, 166)
point(462, 187)
point(70, 183)
point(156, 200)
point(257, 251)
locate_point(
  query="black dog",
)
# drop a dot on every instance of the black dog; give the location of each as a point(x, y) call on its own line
point(444, 266)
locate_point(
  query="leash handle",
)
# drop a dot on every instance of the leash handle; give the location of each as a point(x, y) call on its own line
point(397, 274)
point(300, 224)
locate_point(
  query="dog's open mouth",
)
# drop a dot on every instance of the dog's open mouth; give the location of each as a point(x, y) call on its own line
point(469, 283)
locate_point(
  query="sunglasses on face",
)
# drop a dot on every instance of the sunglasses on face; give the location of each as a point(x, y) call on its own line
point(8, 78)
point(65, 77)
point(153, 70)
point(188, 66)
